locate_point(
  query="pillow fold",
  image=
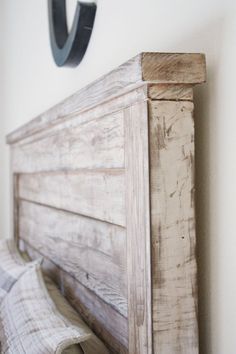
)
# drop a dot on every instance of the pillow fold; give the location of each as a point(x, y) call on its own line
point(12, 266)
point(36, 319)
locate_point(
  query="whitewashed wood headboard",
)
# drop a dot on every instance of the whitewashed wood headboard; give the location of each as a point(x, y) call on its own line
point(104, 189)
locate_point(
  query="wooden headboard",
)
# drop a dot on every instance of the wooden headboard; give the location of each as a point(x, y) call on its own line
point(104, 189)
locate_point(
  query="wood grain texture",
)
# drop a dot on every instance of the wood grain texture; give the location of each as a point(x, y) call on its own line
point(93, 252)
point(114, 84)
point(173, 228)
point(169, 68)
point(174, 68)
point(107, 323)
point(138, 229)
point(104, 190)
point(96, 193)
point(98, 143)
point(170, 92)
point(15, 181)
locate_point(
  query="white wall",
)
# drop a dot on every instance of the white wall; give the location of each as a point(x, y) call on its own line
point(31, 83)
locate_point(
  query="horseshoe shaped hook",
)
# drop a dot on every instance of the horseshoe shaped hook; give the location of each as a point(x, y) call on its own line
point(68, 48)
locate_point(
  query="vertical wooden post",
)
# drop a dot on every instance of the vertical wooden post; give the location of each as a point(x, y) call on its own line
point(138, 229)
point(15, 178)
point(174, 290)
point(161, 260)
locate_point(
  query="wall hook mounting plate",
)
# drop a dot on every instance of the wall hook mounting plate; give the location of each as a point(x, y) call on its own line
point(68, 48)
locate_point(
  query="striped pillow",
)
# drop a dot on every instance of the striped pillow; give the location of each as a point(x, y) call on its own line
point(32, 323)
point(91, 346)
point(12, 265)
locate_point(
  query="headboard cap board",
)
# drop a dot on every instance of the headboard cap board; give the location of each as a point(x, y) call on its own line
point(147, 67)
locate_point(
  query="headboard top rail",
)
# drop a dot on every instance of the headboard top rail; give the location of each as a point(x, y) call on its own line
point(148, 67)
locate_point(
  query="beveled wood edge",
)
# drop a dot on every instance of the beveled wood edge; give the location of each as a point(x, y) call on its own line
point(144, 69)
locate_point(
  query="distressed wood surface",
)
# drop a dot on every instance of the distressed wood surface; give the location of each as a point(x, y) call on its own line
point(15, 197)
point(174, 294)
point(104, 190)
point(169, 68)
point(93, 252)
point(138, 229)
point(174, 68)
point(98, 143)
point(107, 323)
point(170, 92)
point(96, 193)
point(65, 113)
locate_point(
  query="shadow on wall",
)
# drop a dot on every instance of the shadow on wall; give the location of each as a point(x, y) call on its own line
point(207, 99)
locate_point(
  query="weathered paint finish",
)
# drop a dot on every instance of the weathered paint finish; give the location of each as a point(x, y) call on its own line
point(92, 251)
point(138, 229)
point(96, 193)
point(174, 295)
point(104, 189)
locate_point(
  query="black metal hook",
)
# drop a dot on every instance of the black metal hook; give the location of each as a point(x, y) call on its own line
point(69, 48)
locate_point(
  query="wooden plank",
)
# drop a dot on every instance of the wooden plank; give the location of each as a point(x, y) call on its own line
point(173, 228)
point(114, 84)
point(94, 193)
point(95, 144)
point(169, 68)
point(174, 68)
point(170, 92)
point(67, 114)
point(15, 182)
point(138, 229)
point(93, 252)
point(107, 323)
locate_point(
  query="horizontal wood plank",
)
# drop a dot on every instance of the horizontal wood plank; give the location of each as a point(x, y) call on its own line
point(168, 68)
point(93, 252)
point(106, 322)
point(98, 143)
point(170, 92)
point(174, 68)
point(94, 193)
point(118, 82)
